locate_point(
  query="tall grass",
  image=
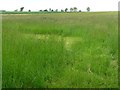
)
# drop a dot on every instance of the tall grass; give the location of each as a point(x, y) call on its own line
point(66, 50)
point(0, 51)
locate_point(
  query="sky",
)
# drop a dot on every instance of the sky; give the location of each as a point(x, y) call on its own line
point(36, 5)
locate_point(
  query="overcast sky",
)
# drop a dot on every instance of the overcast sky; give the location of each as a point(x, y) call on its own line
point(35, 5)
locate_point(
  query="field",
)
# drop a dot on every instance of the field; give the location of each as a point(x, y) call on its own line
point(0, 51)
point(60, 50)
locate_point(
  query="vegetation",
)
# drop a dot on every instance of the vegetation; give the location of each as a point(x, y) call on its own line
point(69, 50)
point(88, 9)
point(62, 10)
point(16, 10)
point(71, 9)
point(29, 10)
point(0, 52)
point(75, 9)
point(21, 9)
point(66, 9)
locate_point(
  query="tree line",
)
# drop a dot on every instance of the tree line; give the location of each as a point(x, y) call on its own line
point(74, 9)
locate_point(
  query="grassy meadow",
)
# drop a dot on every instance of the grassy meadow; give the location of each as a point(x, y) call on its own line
point(60, 50)
point(0, 51)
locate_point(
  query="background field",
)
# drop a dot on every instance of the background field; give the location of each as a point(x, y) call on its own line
point(0, 51)
point(67, 50)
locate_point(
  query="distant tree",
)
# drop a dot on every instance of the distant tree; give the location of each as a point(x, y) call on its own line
point(71, 9)
point(2, 11)
point(29, 10)
point(62, 10)
point(40, 10)
point(88, 9)
point(75, 9)
point(80, 11)
point(45, 10)
point(66, 9)
point(21, 9)
point(16, 10)
point(56, 10)
point(50, 9)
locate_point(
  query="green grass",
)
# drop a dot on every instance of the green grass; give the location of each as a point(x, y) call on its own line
point(68, 50)
point(0, 51)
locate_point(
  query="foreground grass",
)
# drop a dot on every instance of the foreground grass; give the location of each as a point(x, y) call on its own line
point(60, 50)
point(0, 51)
